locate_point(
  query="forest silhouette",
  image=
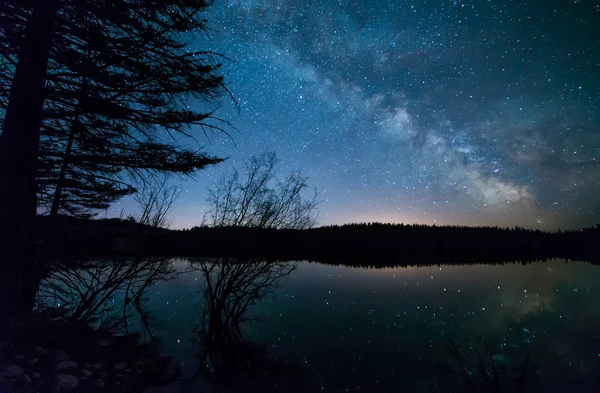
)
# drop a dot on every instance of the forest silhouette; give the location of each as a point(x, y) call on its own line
point(364, 245)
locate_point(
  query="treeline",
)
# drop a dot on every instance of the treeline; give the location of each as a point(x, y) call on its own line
point(370, 244)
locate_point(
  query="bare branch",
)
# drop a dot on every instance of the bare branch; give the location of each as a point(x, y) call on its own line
point(258, 199)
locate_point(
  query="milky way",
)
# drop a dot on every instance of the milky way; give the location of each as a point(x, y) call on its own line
point(445, 112)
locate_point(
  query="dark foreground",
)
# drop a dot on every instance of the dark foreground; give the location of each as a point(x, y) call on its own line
point(387, 308)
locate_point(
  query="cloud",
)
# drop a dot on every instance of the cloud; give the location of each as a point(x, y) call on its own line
point(495, 192)
point(449, 163)
point(469, 179)
point(398, 125)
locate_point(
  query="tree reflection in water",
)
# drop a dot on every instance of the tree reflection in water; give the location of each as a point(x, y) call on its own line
point(232, 286)
point(108, 295)
point(487, 368)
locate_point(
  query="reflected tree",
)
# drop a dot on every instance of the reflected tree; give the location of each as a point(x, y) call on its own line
point(482, 369)
point(108, 296)
point(232, 286)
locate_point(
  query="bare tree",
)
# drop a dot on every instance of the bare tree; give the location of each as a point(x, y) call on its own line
point(258, 198)
point(155, 198)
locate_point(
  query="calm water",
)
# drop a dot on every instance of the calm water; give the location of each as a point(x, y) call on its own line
point(368, 330)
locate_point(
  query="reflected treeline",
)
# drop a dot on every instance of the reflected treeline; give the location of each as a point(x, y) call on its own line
point(372, 262)
point(230, 288)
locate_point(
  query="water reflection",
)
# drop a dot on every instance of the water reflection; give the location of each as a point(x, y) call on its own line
point(230, 288)
point(489, 367)
point(269, 324)
point(107, 295)
point(386, 329)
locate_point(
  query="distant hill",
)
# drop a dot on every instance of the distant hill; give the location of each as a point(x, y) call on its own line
point(114, 226)
point(64, 235)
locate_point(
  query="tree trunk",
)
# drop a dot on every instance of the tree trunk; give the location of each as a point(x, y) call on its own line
point(63, 170)
point(19, 144)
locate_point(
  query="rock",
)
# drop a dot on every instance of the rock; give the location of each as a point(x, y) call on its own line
point(98, 384)
point(53, 313)
point(103, 375)
point(146, 351)
point(33, 361)
point(39, 351)
point(59, 356)
point(6, 344)
point(161, 371)
point(27, 380)
point(85, 373)
point(35, 375)
point(103, 343)
point(97, 366)
point(19, 357)
point(65, 382)
point(121, 342)
point(121, 366)
point(65, 365)
point(12, 371)
point(179, 386)
point(133, 375)
point(128, 340)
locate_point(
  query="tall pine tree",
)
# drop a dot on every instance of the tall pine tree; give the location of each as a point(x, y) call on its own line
point(110, 94)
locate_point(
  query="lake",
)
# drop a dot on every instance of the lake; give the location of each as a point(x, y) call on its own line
point(377, 330)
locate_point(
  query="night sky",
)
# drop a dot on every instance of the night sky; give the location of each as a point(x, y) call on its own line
point(445, 112)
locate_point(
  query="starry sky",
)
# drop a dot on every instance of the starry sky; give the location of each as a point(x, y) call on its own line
point(434, 112)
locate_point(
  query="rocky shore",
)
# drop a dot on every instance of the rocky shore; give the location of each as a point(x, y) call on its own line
point(64, 359)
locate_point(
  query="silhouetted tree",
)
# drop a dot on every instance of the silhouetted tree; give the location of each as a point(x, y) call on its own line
point(118, 72)
point(95, 179)
point(258, 199)
point(70, 186)
point(101, 107)
point(155, 199)
point(18, 152)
